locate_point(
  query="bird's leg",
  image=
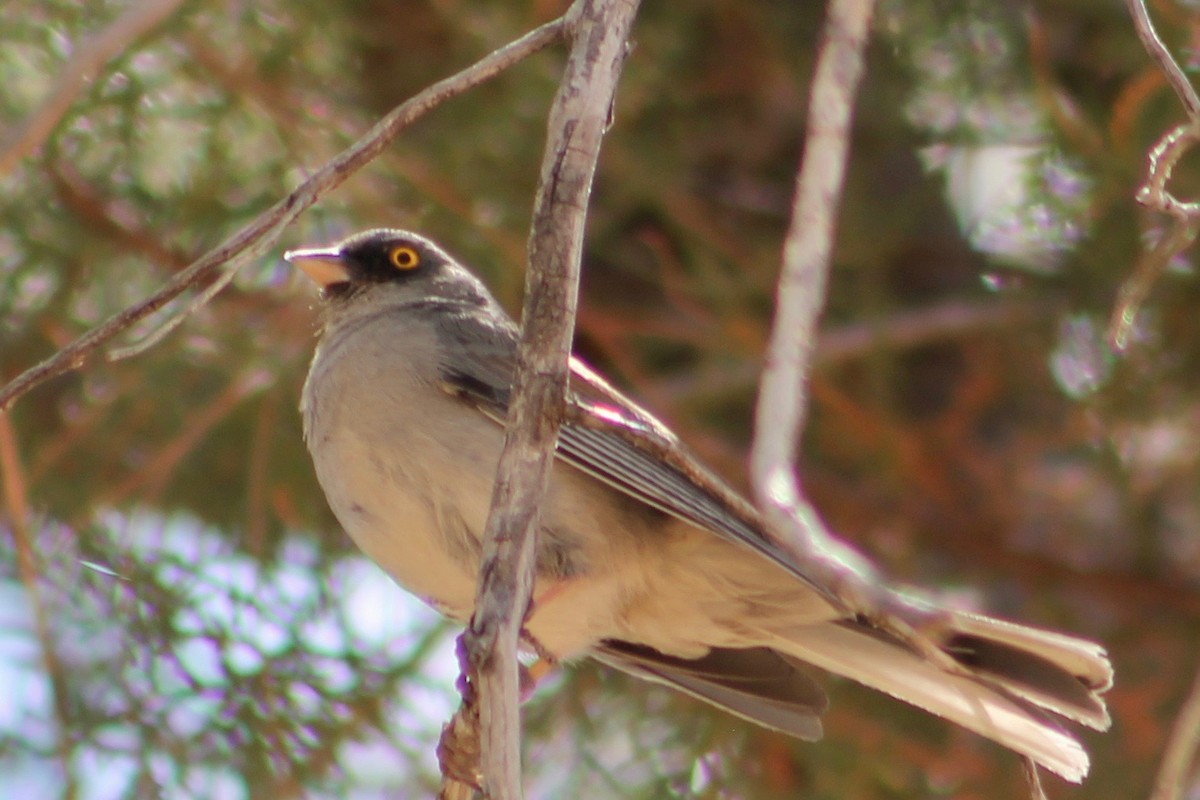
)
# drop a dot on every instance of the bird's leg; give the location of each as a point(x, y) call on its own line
point(531, 676)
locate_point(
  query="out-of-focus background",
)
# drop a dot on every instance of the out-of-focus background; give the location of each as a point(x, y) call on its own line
point(180, 615)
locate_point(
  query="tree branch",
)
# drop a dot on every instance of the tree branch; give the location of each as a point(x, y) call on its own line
point(1166, 62)
point(578, 119)
point(782, 398)
point(253, 240)
point(827, 561)
point(1155, 193)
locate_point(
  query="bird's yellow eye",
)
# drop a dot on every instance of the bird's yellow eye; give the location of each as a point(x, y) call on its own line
point(404, 257)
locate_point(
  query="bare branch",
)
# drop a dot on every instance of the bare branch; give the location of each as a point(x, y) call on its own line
point(92, 54)
point(1180, 757)
point(577, 122)
point(253, 240)
point(175, 320)
point(1163, 158)
point(780, 413)
point(1166, 62)
point(1136, 288)
point(827, 561)
point(1154, 193)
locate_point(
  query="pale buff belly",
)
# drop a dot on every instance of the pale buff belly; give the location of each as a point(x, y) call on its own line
point(429, 539)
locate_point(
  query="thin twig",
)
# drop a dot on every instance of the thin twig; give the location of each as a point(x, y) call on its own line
point(902, 329)
point(1166, 62)
point(1180, 756)
point(82, 68)
point(1136, 288)
point(1155, 193)
point(827, 561)
point(155, 336)
point(253, 240)
point(782, 398)
point(578, 119)
point(1033, 779)
point(1162, 159)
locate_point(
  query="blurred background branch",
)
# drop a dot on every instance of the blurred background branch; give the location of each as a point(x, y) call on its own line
point(1178, 764)
point(807, 255)
point(20, 516)
point(1179, 760)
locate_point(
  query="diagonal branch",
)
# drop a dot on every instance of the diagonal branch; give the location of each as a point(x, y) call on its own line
point(253, 240)
point(1166, 62)
point(577, 122)
point(782, 398)
point(827, 561)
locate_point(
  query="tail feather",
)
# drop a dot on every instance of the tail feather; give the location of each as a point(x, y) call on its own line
point(1060, 673)
point(1056, 672)
point(1008, 670)
point(755, 683)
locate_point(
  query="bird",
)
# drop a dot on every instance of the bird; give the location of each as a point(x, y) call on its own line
point(645, 560)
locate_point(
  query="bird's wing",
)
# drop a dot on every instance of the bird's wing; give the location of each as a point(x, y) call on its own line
point(611, 438)
point(1004, 673)
point(754, 683)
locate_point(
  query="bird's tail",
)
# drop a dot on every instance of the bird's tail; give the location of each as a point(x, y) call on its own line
point(1001, 677)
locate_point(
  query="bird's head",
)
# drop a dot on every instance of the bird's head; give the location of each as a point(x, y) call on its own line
point(380, 256)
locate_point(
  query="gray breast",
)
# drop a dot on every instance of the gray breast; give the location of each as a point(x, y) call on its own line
point(408, 468)
point(393, 453)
